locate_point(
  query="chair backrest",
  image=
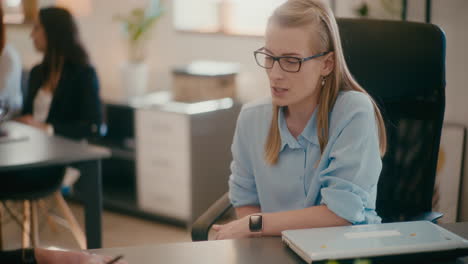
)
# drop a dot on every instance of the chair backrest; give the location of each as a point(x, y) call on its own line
point(31, 183)
point(402, 66)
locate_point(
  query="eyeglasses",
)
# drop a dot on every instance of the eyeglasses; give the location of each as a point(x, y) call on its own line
point(287, 63)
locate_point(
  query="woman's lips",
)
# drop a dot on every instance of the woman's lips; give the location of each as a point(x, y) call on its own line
point(278, 91)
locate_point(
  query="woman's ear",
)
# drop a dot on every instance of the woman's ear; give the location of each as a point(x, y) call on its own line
point(328, 64)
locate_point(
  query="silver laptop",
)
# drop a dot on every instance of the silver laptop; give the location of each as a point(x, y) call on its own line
point(365, 241)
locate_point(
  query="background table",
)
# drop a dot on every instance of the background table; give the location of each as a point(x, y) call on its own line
point(35, 149)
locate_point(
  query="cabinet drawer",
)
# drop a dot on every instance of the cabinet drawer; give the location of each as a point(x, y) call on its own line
point(164, 181)
point(162, 126)
point(176, 162)
point(151, 173)
point(177, 153)
point(163, 163)
point(158, 193)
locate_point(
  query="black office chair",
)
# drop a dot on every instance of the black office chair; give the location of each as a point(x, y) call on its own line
point(30, 186)
point(402, 66)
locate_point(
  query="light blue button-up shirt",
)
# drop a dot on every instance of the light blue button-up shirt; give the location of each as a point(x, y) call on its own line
point(345, 178)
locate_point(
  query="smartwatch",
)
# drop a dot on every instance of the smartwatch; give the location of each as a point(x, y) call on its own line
point(255, 223)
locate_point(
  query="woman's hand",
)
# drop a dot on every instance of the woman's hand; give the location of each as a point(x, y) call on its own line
point(25, 119)
point(30, 121)
point(235, 229)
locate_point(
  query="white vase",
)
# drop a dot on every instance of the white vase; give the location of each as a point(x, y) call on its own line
point(134, 79)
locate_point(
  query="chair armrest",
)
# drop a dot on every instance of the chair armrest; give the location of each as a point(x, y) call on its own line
point(428, 216)
point(202, 225)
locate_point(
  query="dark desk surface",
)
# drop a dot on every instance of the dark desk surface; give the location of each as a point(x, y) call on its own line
point(37, 149)
point(244, 251)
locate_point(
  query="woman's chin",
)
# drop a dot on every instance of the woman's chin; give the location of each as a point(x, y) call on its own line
point(278, 101)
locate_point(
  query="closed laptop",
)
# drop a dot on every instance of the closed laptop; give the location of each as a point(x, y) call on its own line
point(366, 241)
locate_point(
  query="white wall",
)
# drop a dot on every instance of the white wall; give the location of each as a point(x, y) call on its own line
point(102, 37)
point(107, 48)
point(451, 17)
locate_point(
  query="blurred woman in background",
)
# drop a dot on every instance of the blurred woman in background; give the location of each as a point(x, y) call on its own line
point(10, 72)
point(63, 91)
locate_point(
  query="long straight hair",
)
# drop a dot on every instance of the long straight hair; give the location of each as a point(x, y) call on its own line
point(2, 31)
point(63, 43)
point(320, 19)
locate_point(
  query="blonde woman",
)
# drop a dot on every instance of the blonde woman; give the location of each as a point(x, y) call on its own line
point(311, 155)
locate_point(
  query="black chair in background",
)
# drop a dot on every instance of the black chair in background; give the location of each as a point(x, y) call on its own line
point(30, 187)
point(402, 66)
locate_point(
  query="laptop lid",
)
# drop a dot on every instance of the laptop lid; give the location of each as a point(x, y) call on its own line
point(363, 241)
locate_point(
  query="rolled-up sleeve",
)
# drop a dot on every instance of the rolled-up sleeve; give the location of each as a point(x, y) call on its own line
point(349, 181)
point(242, 187)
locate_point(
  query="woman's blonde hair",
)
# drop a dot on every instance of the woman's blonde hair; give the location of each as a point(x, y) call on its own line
point(312, 13)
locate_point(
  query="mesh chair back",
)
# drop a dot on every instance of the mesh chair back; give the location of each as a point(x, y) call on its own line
point(402, 66)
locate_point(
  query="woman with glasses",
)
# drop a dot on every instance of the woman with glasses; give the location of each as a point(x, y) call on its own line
point(63, 92)
point(311, 155)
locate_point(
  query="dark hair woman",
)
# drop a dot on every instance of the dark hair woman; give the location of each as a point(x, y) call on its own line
point(63, 92)
point(10, 72)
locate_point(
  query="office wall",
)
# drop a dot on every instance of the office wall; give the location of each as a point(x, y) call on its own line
point(168, 48)
point(451, 16)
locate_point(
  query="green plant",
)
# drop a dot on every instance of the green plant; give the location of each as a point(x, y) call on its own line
point(362, 10)
point(137, 25)
point(392, 7)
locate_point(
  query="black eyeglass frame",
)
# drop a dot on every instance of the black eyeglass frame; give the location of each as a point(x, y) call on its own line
point(300, 60)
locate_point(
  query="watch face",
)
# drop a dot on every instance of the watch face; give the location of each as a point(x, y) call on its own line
point(255, 223)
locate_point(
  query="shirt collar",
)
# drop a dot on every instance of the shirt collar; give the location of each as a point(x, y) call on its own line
point(309, 133)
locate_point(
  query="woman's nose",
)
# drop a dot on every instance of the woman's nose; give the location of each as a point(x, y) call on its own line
point(276, 72)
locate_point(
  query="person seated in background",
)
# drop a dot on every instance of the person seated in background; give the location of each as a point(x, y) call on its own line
point(10, 72)
point(311, 155)
point(45, 256)
point(63, 90)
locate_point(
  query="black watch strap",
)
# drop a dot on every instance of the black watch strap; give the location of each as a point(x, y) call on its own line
point(256, 223)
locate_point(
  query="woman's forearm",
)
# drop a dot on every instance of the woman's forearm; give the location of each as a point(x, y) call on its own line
point(247, 210)
point(316, 216)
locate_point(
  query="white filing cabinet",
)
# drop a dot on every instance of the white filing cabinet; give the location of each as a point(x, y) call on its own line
point(183, 156)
